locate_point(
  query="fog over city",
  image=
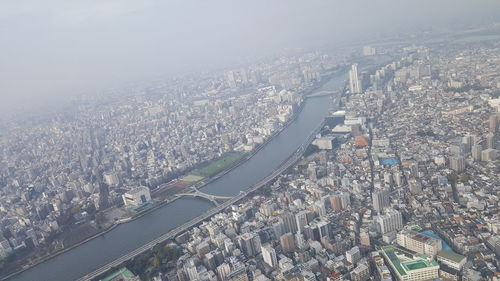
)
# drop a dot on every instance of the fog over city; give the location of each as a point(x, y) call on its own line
point(260, 140)
point(53, 50)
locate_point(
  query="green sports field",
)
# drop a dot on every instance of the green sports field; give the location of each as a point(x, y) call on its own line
point(218, 165)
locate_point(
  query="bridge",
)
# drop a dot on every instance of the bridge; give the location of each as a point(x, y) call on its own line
point(197, 193)
point(289, 162)
point(322, 93)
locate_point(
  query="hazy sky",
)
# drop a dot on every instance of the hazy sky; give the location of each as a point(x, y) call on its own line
point(54, 49)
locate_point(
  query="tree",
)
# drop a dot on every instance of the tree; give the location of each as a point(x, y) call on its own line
point(155, 262)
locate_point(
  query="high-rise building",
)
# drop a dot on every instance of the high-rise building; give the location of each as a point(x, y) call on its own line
point(287, 242)
point(250, 244)
point(390, 221)
point(490, 141)
point(269, 255)
point(345, 199)
point(398, 178)
point(467, 142)
point(323, 229)
point(457, 163)
point(289, 222)
point(319, 207)
point(369, 51)
point(354, 81)
point(476, 152)
point(278, 228)
point(380, 200)
point(299, 240)
point(301, 220)
point(340, 201)
point(223, 270)
point(489, 155)
point(493, 123)
point(335, 203)
point(231, 79)
point(191, 270)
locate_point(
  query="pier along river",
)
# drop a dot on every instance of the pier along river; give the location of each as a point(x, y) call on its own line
point(126, 237)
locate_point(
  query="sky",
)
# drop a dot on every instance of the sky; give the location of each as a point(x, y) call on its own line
point(53, 50)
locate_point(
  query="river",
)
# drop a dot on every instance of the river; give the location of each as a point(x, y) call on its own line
point(128, 236)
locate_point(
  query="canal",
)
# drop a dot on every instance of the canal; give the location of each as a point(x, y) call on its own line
point(128, 236)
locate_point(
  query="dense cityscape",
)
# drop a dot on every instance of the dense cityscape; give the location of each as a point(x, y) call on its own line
point(400, 181)
point(402, 190)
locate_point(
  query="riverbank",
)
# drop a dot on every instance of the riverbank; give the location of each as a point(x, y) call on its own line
point(163, 218)
point(246, 157)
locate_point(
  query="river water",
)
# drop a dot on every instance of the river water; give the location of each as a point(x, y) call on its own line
point(129, 236)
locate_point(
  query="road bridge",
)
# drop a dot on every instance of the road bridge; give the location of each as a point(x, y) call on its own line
point(322, 93)
point(212, 198)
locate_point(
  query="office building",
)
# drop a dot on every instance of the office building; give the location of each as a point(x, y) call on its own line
point(137, 196)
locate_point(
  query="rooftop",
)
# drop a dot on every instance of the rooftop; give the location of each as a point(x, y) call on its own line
point(404, 261)
point(122, 274)
point(451, 256)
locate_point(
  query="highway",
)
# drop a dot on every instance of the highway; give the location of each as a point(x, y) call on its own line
point(188, 225)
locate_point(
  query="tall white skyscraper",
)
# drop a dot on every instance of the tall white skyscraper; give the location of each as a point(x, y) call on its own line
point(354, 82)
point(269, 255)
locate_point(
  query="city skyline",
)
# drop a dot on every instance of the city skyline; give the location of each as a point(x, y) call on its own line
point(255, 141)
